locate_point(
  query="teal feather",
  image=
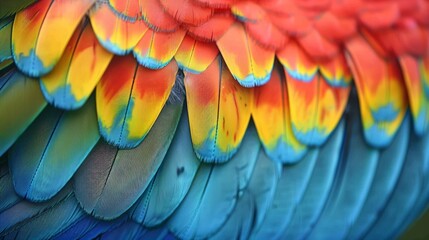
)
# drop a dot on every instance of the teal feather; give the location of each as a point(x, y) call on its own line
point(263, 184)
point(5, 39)
point(290, 189)
point(47, 155)
point(351, 185)
point(9, 8)
point(131, 230)
point(21, 101)
point(172, 181)
point(8, 197)
point(18, 212)
point(406, 191)
point(49, 222)
point(112, 177)
point(389, 167)
point(240, 223)
point(214, 192)
point(319, 187)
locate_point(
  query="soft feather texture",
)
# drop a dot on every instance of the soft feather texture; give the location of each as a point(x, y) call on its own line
point(172, 181)
point(9, 8)
point(290, 189)
point(319, 186)
point(48, 154)
point(386, 176)
point(214, 192)
point(21, 101)
point(116, 177)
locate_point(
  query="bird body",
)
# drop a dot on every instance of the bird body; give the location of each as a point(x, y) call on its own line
point(220, 119)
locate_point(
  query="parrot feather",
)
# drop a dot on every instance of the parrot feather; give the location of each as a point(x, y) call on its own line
point(156, 18)
point(9, 8)
point(271, 105)
point(239, 223)
point(47, 155)
point(290, 189)
point(48, 222)
point(219, 112)
point(309, 92)
point(86, 227)
point(36, 44)
point(214, 192)
point(5, 39)
point(132, 230)
point(256, 62)
point(187, 12)
point(80, 68)
point(313, 201)
point(22, 211)
point(116, 34)
point(381, 91)
point(112, 177)
point(156, 49)
point(21, 101)
point(262, 186)
point(406, 192)
point(351, 185)
point(8, 197)
point(389, 167)
point(172, 181)
point(195, 56)
point(130, 98)
point(418, 91)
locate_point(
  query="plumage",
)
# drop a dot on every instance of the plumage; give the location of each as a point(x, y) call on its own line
point(225, 108)
point(21, 101)
point(121, 38)
point(54, 141)
point(80, 68)
point(35, 43)
point(214, 193)
point(130, 98)
point(390, 162)
point(318, 188)
point(172, 181)
point(302, 119)
point(257, 62)
point(106, 165)
point(290, 189)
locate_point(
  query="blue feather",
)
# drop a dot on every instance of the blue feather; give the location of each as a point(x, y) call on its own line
point(319, 187)
point(263, 184)
point(112, 177)
point(240, 223)
point(406, 192)
point(214, 192)
point(351, 184)
point(172, 181)
point(8, 196)
point(389, 167)
point(290, 189)
point(47, 155)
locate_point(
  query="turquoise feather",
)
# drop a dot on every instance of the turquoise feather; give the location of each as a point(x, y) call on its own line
point(406, 191)
point(351, 185)
point(172, 181)
point(319, 187)
point(240, 223)
point(48, 222)
point(290, 189)
point(47, 155)
point(21, 101)
point(112, 177)
point(389, 166)
point(215, 191)
point(262, 186)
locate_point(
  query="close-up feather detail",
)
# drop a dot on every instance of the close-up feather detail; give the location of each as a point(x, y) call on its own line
point(214, 119)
